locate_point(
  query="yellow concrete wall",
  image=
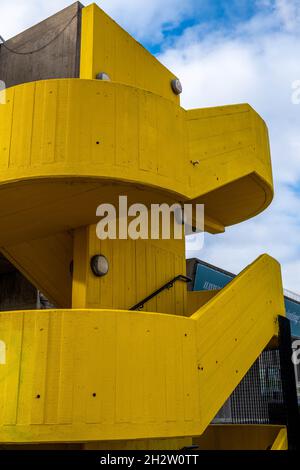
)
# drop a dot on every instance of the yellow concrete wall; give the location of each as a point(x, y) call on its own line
point(65, 143)
point(46, 263)
point(227, 140)
point(242, 437)
point(86, 375)
point(92, 375)
point(196, 299)
point(136, 269)
point(106, 47)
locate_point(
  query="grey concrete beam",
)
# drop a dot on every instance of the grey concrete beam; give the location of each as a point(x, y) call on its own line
point(54, 45)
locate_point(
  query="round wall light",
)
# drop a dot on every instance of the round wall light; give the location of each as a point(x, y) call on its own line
point(103, 76)
point(99, 265)
point(176, 86)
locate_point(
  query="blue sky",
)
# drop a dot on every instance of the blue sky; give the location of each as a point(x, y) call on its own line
point(224, 51)
point(211, 15)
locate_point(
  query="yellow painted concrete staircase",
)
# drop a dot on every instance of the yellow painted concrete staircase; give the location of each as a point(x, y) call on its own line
point(90, 375)
point(92, 371)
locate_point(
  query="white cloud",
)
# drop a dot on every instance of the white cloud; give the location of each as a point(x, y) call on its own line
point(148, 19)
point(18, 15)
point(255, 63)
point(144, 19)
point(289, 13)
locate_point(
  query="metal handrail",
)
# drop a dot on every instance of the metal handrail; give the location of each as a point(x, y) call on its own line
point(168, 285)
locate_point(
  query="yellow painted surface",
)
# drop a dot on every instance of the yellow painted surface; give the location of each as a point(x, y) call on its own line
point(141, 444)
point(243, 437)
point(46, 263)
point(66, 143)
point(195, 299)
point(135, 444)
point(98, 372)
point(136, 269)
point(92, 375)
point(281, 441)
point(232, 145)
point(106, 47)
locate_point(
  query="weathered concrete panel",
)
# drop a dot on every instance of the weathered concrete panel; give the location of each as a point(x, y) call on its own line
point(55, 43)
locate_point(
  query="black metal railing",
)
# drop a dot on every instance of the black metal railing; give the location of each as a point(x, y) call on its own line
point(168, 285)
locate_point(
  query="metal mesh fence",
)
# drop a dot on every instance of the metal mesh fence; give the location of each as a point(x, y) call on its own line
point(258, 399)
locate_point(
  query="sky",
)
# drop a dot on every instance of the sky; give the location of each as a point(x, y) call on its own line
point(224, 52)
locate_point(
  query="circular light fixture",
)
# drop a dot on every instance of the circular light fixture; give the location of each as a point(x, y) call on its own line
point(103, 76)
point(99, 265)
point(176, 86)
